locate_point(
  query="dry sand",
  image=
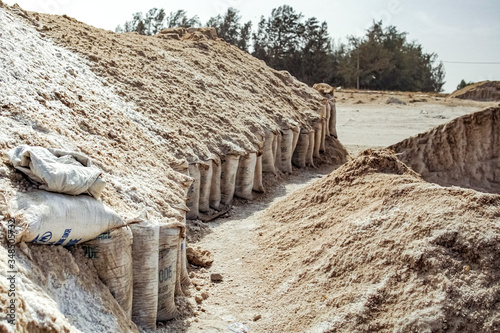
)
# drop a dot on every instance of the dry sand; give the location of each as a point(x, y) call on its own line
point(139, 107)
point(480, 91)
point(365, 120)
point(50, 97)
point(371, 247)
point(206, 96)
point(58, 291)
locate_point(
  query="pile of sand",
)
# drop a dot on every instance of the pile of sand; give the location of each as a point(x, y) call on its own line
point(464, 152)
point(206, 96)
point(480, 91)
point(139, 107)
point(50, 97)
point(373, 247)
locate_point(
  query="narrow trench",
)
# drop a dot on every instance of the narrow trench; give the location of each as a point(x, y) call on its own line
point(234, 242)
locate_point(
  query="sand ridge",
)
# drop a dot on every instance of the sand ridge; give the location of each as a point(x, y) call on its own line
point(463, 152)
point(191, 86)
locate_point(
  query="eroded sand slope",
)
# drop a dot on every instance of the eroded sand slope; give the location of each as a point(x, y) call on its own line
point(464, 152)
point(480, 91)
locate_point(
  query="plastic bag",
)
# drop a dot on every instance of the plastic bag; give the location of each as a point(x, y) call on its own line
point(228, 177)
point(145, 273)
point(215, 195)
point(245, 176)
point(193, 197)
point(206, 174)
point(168, 252)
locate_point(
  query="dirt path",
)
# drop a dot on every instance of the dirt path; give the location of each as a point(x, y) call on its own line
point(234, 243)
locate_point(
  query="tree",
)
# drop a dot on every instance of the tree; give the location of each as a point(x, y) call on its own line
point(313, 63)
point(382, 59)
point(179, 19)
point(245, 34)
point(155, 20)
point(387, 61)
point(229, 28)
point(277, 38)
point(464, 84)
point(286, 41)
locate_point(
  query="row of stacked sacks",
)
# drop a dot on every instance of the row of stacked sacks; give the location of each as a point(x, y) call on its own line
point(217, 180)
point(144, 265)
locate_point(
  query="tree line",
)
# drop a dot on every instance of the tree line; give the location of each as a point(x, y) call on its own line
point(382, 59)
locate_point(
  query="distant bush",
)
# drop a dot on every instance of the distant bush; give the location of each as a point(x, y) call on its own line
point(463, 84)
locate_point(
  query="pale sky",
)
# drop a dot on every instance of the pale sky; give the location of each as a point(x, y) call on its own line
point(457, 30)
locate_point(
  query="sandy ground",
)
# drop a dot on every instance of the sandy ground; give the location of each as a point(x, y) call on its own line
point(373, 123)
point(234, 240)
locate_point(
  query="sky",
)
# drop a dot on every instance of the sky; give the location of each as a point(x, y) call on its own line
point(456, 30)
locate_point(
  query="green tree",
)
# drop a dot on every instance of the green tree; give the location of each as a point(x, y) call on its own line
point(229, 28)
point(383, 59)
point(245, 35)
point(155, 20)
point(313, 63)
point(277, 38)
point(179, 19)
point(464, 84)
point(286, 41)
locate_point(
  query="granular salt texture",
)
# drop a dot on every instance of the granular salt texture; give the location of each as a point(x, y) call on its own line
point(205, 95)
point(464, 152)
point(57, 291)
point(49, 97)
point(373, 247)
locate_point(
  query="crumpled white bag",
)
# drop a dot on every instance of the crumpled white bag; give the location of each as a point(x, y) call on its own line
point(57, 170)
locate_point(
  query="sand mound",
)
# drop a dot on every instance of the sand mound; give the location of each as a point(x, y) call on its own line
point(480, 91)
point(464, 152)
point(206, 96)
point(373, 247)
point(141, 108)
point(49, 97)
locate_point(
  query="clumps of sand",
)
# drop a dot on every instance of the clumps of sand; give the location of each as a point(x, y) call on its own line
point(206, 96)
point(50, 97)
point(464, 152)
point(373, 247)
point(480, 91)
